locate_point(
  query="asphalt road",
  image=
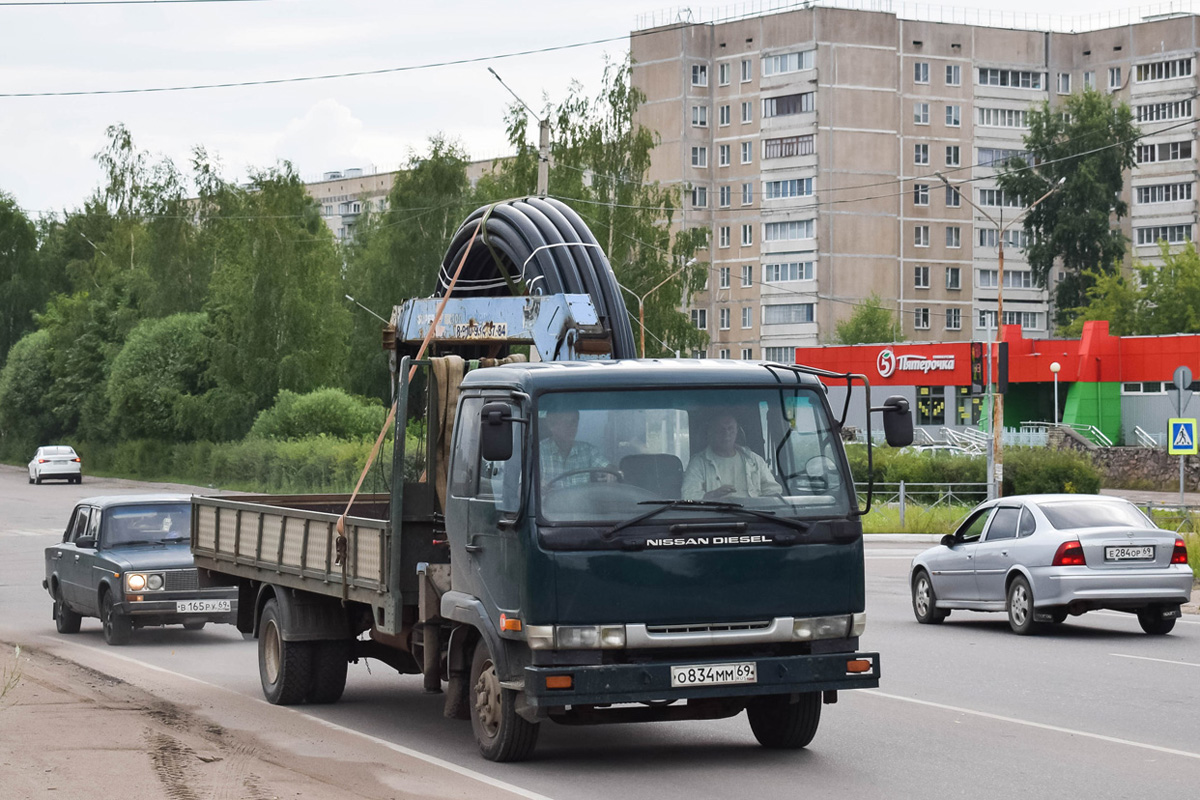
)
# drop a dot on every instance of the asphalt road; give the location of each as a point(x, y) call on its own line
point(1095, 709)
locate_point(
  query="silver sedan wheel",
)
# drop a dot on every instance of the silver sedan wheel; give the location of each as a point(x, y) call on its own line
point(1020, 607)
point(921, 596)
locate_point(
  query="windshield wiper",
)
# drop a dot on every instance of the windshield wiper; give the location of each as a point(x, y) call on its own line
point(136, 542)
point(708, 505)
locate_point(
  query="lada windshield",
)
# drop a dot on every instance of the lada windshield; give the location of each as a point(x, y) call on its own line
point(605, 457)
point(150, 523)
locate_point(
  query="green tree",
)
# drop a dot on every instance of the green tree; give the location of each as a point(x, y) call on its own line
point(1165, 299)
point(164, 362)
point(395, 254)
point(870, 322)
point(23, 288)
point(25, 419)
point(599, 160)
point(1086, 144)
point(275, 297)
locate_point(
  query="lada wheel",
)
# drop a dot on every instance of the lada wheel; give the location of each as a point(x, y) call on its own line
point(924, 601)
point(284, 668)
point(503, 735)
point(117, 627)
point(65, 620)
point(1020, 607)
point(781, 724)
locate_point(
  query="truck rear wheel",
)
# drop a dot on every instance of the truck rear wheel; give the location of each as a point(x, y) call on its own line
point(781, 724)
point(284, 668)
point(503, 735)
point(330, 661)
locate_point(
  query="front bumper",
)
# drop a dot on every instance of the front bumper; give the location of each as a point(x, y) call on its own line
point(636, 683)
point(165, 610)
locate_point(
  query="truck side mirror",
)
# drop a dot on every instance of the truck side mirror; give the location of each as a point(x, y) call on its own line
point(897, 421)
point(88, 542)
point(496, 434)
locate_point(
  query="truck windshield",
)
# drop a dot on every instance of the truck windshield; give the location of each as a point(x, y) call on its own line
point(600, 454)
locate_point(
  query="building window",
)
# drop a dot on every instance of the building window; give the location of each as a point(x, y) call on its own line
point(921, 236)
point(747, 70)
point(1166, 151)
point(1013, 279)
point(953, 75)
point(920, 154)
point(1145, 387)
point(921, 319)
point(921, 72)
point(1003, 118)
point(788, 271)
point(789, 146)
point(1160, 112)
point(724, 353)
point(1163, 193)
point(954, 319)
point(699, 197)
point(722, 155)
point(700, 319)
point(920, 194)
point(699, 75)
point(699, 354)
point(990, 237)
point(788, 314)
point(747, 353)
point(747, 318)
point(931, 405)
point(954, 116)
point(724, 277)
point(747, 275)
point(723, 315)
point(747, 194)
point(747, 235)
point(1013, 78)
point(747, 152)
point(1064, 83)
point(1028, 320)
point(788, 231)
point(699, 156)
point(997, 197)
point(788, 104)
point(952, 155)
point(723, 73)
point(1164, 70)
point(1089, 80)
point(953, 236)
point(726, 192)
point(921, 113)
point(787, 62)
point(953, 198)
point(920, 277)
point(723, 236)
point(796, 187)
point(724, 116)
point(953, 278)
point(780, 355)
point(998, 157)
point(699, 116)
point(1114, 78)
point(747, 112)
point(1171, 234)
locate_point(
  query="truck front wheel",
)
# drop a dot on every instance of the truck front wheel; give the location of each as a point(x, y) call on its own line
point(780, 724)
point(284, 668)
point(503, 735)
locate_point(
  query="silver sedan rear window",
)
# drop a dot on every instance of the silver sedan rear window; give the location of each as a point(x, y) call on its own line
point(1068, 514)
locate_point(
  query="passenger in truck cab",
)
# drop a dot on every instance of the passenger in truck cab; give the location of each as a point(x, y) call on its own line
point(561, 454)
point(726, 469)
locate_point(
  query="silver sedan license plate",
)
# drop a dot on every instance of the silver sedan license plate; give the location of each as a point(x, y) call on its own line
point(714, 674)
point(202, 606)
point(1125, 553)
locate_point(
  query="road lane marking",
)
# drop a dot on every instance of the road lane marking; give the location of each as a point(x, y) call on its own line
point(1159, 660)
point(1031, 724)
point(428, 759)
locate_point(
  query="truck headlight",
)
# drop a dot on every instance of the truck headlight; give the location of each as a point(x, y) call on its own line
point(575, 637)
point(823, 627)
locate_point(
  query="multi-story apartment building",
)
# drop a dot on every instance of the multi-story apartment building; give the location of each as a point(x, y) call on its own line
point(813, 142)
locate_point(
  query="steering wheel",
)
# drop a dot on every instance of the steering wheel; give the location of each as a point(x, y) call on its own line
point(585, 471)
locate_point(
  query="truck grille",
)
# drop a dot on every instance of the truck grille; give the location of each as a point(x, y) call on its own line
point(718, 627)
point(182, 580)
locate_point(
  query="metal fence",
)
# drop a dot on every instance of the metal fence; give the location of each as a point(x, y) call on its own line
point(922, 498)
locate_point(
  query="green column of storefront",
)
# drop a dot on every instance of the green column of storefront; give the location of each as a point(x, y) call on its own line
point(1096, 404)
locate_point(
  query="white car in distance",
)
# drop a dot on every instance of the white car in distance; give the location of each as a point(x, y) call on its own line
point(56, 461)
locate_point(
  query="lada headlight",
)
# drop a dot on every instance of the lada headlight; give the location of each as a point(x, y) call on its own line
point(140, 581)
point(154, 582)
point(135, 581)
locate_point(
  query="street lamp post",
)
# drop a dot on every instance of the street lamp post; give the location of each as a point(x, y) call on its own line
point(1055, 367)
point(998, 397)
point(641, 300)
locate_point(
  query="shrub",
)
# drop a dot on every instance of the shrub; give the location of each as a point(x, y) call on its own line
point(1038, 470)
point(329, 412)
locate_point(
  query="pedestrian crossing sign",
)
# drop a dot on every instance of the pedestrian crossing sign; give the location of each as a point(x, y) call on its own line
point(1183, 437)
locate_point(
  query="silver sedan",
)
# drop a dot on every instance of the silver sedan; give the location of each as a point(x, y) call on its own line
point(1041, 558)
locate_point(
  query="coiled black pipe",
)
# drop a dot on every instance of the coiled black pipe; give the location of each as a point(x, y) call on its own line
point(533, 246)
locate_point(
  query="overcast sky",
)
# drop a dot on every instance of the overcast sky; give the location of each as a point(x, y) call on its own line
point(47, 143)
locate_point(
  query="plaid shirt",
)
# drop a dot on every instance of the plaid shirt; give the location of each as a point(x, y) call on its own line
point(582, 455)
